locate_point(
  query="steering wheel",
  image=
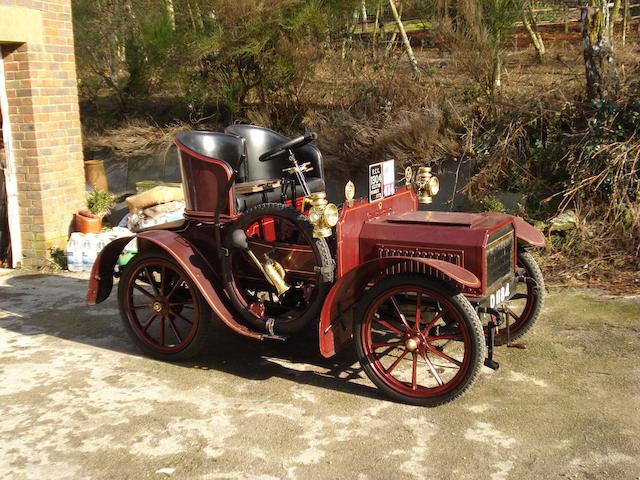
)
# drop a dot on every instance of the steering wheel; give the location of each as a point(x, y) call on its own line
point(285, 147)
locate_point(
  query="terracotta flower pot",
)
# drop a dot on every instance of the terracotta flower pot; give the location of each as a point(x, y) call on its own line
point(88, 224)
point(95, 175)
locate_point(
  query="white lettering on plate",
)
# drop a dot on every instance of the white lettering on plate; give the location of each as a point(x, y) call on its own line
point(500, 296)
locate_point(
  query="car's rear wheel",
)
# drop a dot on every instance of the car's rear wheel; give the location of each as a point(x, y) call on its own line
point(418, 340)
point(161, 308)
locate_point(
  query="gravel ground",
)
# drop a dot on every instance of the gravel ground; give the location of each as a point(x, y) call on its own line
point(78, 401)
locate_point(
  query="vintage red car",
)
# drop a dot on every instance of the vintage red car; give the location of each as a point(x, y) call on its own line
point(261, 249)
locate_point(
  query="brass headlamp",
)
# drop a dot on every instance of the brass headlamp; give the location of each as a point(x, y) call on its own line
point(427, 185)
point(322, 214)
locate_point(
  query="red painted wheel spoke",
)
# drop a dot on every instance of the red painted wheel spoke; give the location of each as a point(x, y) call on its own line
point(175, 330)
point(513, 315)
point(144, 305)
point(382, 345)
point(443, 355)
point(384, 323)
point(444, 337)
point(519, 296)
point(396, 362)
point(174, 288)
point(425, 330)
point(151, 280)
point(182, 303)
point(433, 369)
point(418, 311)
point(402, 317)
point(142, 290)
point(162, 330)
point(163, 276)
point(148, 323)
point(181, 317)
point(414, 372)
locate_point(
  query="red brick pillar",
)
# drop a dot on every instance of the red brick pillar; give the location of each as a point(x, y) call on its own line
point(40, 78)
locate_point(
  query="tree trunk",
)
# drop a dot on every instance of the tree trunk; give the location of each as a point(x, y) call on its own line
point(497, 73)
point(531, 25)
point(347, 42)
point(405, 40)
point(625, 22)
point(394, 37)
point(615, 15)
point(374, 36)
point(602, 77)
point(171, 14)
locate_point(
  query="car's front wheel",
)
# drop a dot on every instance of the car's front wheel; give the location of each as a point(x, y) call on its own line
point(418, 340)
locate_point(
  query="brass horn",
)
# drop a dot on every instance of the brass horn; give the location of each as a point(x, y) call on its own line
point(272, 271)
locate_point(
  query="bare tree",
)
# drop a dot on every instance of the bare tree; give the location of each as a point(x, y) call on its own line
point(171, 13)
point(529, 20)
point(602, 76)
point(405, 39)
point(625, 22)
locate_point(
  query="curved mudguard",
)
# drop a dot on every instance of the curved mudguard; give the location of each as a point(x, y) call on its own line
point(336, 319)
point(185, 254)
point(528, 233)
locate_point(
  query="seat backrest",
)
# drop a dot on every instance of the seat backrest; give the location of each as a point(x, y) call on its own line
point(214, 145)
point(207, 160)
point(260, 140)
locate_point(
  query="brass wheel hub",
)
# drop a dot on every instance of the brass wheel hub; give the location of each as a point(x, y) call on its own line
point(412, 344)
point(157, 307)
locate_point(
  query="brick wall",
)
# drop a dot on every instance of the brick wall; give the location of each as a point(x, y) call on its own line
point(43, 110)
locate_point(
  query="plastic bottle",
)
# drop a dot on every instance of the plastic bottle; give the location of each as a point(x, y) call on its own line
point(88, 252)
point(74, 252)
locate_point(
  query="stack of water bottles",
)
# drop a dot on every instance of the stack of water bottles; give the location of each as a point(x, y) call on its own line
point(83, 248)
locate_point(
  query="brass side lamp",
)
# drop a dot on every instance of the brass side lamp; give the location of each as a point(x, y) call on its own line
point(426, 184)
point(322, 214)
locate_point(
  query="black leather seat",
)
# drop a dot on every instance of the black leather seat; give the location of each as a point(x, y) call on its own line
point(259, 140)
point(220, 146)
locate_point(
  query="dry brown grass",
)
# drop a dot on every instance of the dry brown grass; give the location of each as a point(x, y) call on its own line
point(134, 139)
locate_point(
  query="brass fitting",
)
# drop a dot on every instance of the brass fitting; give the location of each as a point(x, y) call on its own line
point(427, 185)
point(322, 214)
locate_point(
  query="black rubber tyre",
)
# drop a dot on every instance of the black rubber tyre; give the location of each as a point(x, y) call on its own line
point(526, 310)
point(309, 315)
point(453, 337)
point(162, 310)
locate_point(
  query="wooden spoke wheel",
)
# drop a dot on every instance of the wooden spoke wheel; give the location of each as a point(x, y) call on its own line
point(523, 309)
point(162, 309)
point(284, 235)
point(419, 341)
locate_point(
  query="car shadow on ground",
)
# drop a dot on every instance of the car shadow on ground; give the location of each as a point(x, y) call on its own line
point(54, 305)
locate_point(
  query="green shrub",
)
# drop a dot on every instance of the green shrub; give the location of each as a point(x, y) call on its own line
point(100, 203)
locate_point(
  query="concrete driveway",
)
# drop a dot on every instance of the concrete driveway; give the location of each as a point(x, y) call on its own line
point(78, 401)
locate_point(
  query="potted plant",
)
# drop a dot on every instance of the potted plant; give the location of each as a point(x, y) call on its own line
point(99, 204)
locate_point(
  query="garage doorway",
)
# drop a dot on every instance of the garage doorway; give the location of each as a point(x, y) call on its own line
point(5, 237)
point(10, 238)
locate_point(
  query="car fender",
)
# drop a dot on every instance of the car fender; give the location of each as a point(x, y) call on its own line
point(527, 233)
point(185, 255)
point(336, 318)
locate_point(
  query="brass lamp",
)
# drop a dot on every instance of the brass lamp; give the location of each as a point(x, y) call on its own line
point(322, 214)
point(427, 185)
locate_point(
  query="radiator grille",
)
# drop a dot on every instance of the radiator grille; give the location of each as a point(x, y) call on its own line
point(446, 256)
point(500, 258)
